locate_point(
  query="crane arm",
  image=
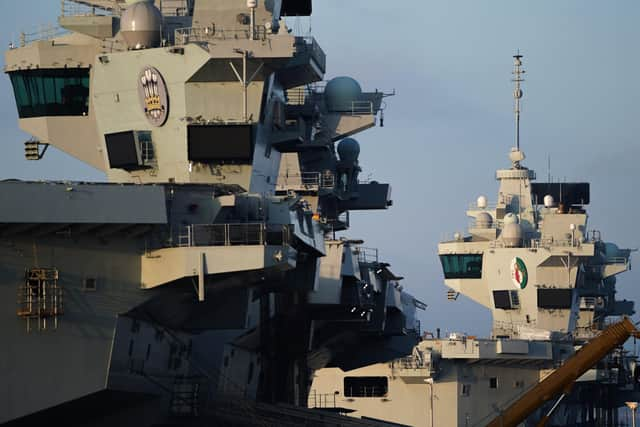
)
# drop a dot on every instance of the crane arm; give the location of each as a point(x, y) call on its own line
point(562, 378)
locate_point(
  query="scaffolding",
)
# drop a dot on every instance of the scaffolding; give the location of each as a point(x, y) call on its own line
point(40, 299)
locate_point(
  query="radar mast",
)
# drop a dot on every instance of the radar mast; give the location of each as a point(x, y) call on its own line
point(517, 156)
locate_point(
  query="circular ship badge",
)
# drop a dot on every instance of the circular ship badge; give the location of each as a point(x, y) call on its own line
point(519, 274)
point(154, 96)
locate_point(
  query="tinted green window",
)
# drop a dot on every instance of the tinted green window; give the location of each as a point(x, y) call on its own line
point(468, 266)
point(53, 92)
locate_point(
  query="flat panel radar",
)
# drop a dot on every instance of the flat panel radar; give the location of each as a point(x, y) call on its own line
point(296, 8)
point(122, 149)
point(562, 192)
point(555, 298)
point(221, 143)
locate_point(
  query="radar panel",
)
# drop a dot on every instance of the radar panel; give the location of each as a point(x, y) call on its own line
point(562, 192)
point(555, 298)
point(220, 143)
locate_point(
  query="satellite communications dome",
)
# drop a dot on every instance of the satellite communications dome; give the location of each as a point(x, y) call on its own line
point(512, 235)
point(482, 202)
point(548, 201)
point(349, 150)
point(341, 92)
point(140, 24)
point(484, 220)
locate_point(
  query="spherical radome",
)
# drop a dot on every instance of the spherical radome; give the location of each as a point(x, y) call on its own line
point(512, 235)
point(140, 25)
point(482, 202)
point(341, 93)
point(349, 150)
point(484, 220)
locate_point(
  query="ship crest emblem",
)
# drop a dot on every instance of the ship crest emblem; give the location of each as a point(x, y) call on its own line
point(519, 274)
point(153, 96)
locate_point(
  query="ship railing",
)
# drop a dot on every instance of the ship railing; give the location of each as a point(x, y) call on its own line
point(541, 243)
point(484, 225)
point(80, 8)
point(362, 108)
point(367, 255)
point(183, 36)
point(594, 236)
point(310, 45)
point(177, 7)
point(548, 242)
point(409, 362)
point(475, 207)
point(299, 95)
point(616, 260)
point(44, 32)
point(241, 234)
point(513, 326)
point(306, 181)
point(322, 400)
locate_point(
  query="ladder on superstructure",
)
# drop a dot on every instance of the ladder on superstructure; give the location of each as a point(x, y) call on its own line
point(40, 299)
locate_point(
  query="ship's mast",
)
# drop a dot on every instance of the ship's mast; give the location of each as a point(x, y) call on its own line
point(517, 93)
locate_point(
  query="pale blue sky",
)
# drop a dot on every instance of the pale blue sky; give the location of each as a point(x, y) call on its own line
point(451, 125)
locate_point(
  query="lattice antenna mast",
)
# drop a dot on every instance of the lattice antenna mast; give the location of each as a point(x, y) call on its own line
point(518, 72)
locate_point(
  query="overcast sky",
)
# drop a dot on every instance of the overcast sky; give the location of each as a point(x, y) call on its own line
point(451, 124)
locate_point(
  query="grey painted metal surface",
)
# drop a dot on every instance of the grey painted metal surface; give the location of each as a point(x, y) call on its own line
point(30, 202)
point(200, 274)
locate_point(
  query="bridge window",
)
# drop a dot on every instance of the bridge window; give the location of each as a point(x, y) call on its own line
point(467, 266)
point(51, 92)
point(366, 386)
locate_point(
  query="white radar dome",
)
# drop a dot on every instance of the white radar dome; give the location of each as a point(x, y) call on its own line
point(349, 150)
point(548, 201)
point(482, 202)
point(252, 4)
point(484, 220)
point(140, 25)
point(512, 235)
point(340, 94)
point(511, 218)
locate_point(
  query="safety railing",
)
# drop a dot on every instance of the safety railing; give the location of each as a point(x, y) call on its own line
point(234, 235)
point(310, 45)
point(475, 223)
point(616, 260)
point(299, 95)
point(81, 8)
point(362, 108)
point(409, 362)
point(489, 207)
point(44, 32)
point(367, 255)
point(177, 7)
point(306, 181)
point(322, 400)
point(188, 35)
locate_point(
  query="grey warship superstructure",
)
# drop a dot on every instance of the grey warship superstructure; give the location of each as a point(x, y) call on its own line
point(204, 280)
point(549, 283)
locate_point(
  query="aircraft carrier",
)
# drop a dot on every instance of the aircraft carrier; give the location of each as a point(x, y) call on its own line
point(556, 355)
point(205, 282)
